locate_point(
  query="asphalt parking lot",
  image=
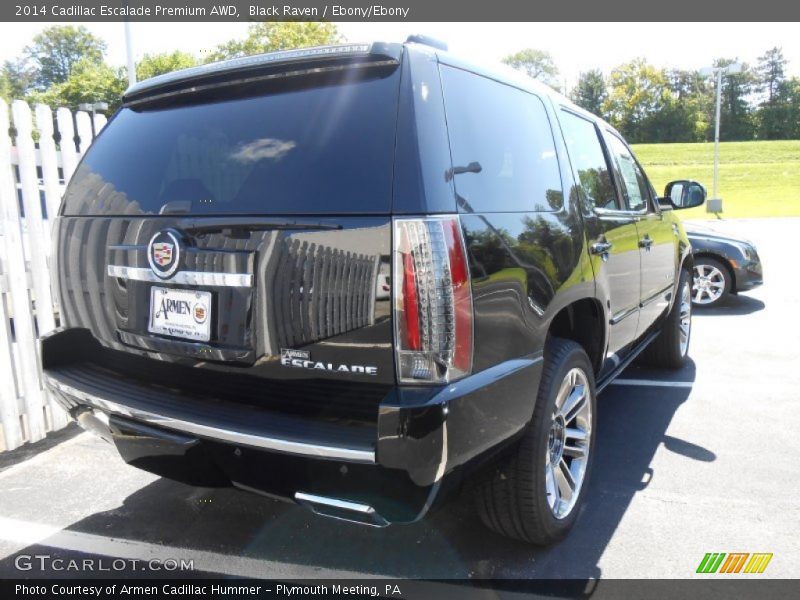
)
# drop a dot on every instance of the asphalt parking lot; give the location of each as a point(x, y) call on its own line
point(701, 460)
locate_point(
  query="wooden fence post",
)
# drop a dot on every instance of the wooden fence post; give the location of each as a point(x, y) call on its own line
point(9, 404)
point(69, 155)
point(24, 330)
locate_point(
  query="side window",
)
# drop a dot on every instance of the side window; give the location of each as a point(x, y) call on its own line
point(588, 160)
point(633, 182)
point(504, 157)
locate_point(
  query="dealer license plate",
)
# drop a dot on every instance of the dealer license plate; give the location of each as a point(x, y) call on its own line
point(180, 313)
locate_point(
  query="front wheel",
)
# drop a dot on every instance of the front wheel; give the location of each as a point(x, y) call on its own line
point(536, 494)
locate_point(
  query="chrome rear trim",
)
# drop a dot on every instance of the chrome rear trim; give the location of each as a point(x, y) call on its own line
point(215, 433)
point(183, 277)
point(344, 510)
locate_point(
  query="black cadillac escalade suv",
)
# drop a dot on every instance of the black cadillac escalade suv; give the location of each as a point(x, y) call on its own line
point(352, 276)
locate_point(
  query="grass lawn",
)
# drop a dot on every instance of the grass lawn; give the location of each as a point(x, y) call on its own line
point(756, 179)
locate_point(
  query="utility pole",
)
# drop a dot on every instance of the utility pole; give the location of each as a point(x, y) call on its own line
point(716, 132)
point(715, 203)
point(129, 51)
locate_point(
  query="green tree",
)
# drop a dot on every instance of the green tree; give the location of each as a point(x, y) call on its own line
point(693, 105)
point(5, 87)
point(56, 50)
point(790, 93)
point(637, 92)
point(770, 72)
point(736, 115)
point(158, 64)
point(653, 105)
point(683, 84)
point(780, 119)
point(591, 92)
point(89, 82)
point(677, 121)
point(270, 37)
point(776, 116)
point(17, 77)
point(535, 63)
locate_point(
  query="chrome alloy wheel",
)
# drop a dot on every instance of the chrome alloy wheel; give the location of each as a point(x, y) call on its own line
point(568, 443)
point(708, 285)
point(685, 318)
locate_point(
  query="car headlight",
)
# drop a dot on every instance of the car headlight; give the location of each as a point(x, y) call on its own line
point(747, 250)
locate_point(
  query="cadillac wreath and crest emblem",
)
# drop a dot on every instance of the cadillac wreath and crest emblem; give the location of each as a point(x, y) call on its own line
point(164, 253)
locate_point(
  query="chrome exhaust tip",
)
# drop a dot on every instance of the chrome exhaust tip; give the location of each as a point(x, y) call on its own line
point(94, 421)
point(344, 510)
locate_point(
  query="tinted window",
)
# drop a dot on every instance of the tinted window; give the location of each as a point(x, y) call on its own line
point(324, 149)
point(588, 160)
point(502, 147)
point(634, 184)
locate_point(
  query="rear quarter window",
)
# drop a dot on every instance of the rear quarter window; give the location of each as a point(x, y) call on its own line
point(505, 135)
point(326, 149)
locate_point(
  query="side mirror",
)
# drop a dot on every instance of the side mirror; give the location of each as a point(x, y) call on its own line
point(683, 193)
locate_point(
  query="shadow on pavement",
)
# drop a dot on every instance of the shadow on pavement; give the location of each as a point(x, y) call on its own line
point(735, 305)
point(12, 457)
point(688, 449)
point(450, 544)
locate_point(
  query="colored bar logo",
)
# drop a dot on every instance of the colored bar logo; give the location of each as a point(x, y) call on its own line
point(734, 562)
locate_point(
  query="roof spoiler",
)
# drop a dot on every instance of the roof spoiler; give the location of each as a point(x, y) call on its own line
point(375, 52)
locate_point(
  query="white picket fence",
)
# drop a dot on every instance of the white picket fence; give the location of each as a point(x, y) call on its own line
point(32, 180)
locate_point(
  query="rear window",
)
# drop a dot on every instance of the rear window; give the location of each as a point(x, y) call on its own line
point(324, 149)
point(504, 156)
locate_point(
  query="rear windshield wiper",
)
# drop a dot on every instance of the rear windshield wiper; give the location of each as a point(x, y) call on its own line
point(473, 167)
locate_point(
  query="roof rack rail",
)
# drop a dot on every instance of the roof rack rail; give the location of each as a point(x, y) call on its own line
point(427, 40)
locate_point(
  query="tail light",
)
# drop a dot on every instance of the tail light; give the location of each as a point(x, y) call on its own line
point(432, 300)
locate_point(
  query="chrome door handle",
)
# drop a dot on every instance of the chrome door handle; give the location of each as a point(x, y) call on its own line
point(600, 248)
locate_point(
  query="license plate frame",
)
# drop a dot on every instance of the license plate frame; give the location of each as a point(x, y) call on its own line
point(180, 313)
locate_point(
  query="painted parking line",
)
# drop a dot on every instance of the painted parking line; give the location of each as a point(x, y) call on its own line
point(29, 533)
point(653, 382)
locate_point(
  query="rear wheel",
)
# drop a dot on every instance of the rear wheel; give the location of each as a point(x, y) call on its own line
point(535, 495)
point(711, 283)
point(671, 347)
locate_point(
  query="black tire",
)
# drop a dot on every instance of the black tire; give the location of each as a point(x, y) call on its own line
point(512, 499)
point(712, 263)
point(667, 351)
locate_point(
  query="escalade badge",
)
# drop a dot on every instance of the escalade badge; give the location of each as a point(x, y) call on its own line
point(301, 359)
point(164, 253)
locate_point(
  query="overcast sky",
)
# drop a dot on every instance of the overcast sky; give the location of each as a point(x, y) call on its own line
point(575, 47)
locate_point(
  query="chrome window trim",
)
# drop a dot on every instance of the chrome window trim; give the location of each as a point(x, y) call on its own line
point(601, 212)
point(183, 277)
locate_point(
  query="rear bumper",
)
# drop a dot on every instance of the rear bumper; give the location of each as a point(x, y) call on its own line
point(391, 470)
point(76, 390)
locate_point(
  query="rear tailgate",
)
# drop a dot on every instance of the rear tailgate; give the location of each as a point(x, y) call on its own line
point(241, 234)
